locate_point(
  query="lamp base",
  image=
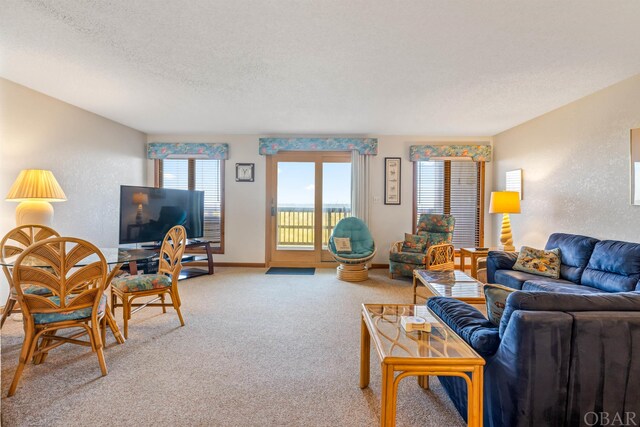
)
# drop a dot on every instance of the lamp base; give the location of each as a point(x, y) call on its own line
point(506, 240)
point(35, 212)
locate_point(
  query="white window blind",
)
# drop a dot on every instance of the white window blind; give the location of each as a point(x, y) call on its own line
point(175, 174)
point(450, 187)
point(208, 179)
point(203, 175)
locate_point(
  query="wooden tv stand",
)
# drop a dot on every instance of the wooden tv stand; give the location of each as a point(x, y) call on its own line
point(198, 247)
point(190, 268)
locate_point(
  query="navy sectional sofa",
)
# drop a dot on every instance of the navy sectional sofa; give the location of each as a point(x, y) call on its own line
point(567, 350)
point(587, 266)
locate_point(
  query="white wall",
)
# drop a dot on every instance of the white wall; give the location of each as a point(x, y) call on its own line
point(576, 166)
point(245, 202)
point(89, 155)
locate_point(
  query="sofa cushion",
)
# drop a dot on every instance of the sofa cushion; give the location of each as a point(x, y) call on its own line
point(537, 261)
point(575, 251)
point(499, 260)
point(614, 266)
point(515, 279)
point(407, 257)
point(468, 323)
point(551, 301)
point(552, 286)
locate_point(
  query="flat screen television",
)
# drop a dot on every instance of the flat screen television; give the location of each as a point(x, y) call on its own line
point(147, 213)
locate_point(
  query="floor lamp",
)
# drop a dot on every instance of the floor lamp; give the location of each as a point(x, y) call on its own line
point(505, 202)
point(34, 189)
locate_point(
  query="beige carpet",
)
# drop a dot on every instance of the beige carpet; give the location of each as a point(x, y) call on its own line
point(257, 350)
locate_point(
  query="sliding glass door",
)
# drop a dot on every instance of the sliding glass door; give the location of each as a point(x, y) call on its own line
point(307, 193)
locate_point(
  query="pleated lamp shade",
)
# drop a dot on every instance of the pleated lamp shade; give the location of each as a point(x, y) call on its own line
point(36, 184)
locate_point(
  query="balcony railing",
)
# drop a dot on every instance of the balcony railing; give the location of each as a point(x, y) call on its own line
point(296, 225)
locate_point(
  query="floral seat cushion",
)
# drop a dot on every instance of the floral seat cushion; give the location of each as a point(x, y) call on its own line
point(407, 257)
point(33, 290)
point(83, 313)
point(143, 282)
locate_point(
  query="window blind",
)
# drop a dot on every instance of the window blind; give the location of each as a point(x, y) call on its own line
point(175, 174)
point(451, 187)
point(203, 175)
point(208, 179)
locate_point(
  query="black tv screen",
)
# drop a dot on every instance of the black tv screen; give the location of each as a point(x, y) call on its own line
point(147, 213)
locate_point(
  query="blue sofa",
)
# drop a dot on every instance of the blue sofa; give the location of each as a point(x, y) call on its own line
point(587, 266)
point(566, 349)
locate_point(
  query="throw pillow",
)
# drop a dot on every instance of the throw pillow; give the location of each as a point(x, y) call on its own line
point(496, 300)
point(436, 238)
point(538, 261)
point(343, 244)
point(414, 243)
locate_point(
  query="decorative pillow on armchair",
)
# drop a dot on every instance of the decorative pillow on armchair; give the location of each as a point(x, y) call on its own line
point(538, 261)
point(496, 299)
point(414, 243)
point(342, 244)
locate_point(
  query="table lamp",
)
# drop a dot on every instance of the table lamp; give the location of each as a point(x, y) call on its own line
point(34, 189)
point(140, 199)
point(505, 202)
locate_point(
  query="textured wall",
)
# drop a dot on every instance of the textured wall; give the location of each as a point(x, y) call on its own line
point(89, 155)
point(245, 202)
point(575, 162)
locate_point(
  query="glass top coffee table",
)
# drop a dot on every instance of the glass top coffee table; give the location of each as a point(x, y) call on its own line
point(455, 284)
point(437, 352)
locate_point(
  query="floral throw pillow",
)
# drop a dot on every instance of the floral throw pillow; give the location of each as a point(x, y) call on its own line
point(414, 243)
point(539, 261)
point(496, 299)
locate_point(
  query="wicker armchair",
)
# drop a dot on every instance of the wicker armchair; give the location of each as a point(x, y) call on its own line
point(353, 264)
point(439, 254)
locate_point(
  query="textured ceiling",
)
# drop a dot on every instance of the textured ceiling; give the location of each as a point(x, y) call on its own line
point(326, 66)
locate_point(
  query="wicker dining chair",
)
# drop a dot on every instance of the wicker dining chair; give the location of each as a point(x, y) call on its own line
point(158, 285)
point(12, 245)
point(76, 298)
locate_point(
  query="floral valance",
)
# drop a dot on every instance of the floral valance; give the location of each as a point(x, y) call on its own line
point(200, 150)
point(478, 153)
point(366, 146)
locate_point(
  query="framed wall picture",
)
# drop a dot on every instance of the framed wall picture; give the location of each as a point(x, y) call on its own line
point(392, 183)
point(245, 172)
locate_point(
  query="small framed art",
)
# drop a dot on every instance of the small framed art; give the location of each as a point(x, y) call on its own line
point(245, 172)
point(392, 183)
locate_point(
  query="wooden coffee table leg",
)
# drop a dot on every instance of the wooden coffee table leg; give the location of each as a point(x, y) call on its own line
point(365, 354)
point(388, 398)
point(474, 395)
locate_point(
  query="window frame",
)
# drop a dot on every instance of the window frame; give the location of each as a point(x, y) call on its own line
point(157, 183)
point(447, 203)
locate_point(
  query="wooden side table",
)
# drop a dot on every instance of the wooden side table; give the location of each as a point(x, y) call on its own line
point(474, 254)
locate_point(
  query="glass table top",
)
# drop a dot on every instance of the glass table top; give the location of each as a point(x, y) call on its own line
point(455, 284)
point(392, 340)
point(112, 256)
